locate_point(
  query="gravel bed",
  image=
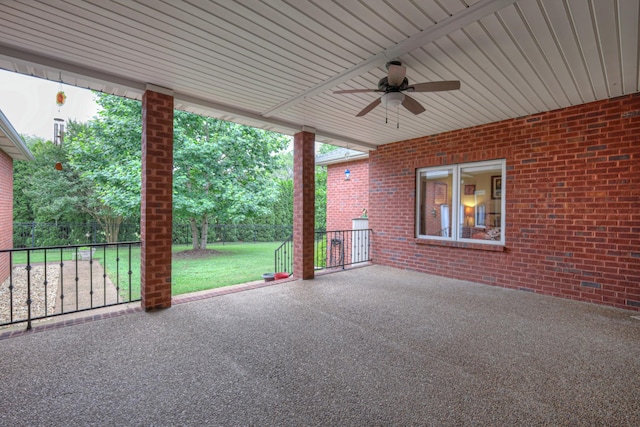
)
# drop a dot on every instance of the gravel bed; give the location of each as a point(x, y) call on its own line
point(38, 296)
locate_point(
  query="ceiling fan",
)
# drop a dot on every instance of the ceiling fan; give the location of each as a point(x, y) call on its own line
point(395, 84)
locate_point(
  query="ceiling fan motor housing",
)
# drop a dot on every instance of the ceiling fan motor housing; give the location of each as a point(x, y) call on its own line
point(394, 62)
point(383, 85)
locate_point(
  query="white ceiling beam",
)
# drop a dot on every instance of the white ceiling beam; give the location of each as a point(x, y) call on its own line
point(467, 16)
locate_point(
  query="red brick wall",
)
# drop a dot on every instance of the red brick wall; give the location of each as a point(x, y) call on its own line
point(346, 199)
point(572, 203)
point(156, 200)
point(304, 188)
point(6, 212)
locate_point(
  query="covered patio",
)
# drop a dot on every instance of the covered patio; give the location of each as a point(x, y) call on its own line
point(368, 346)
point(536, 101)
point(374, 345)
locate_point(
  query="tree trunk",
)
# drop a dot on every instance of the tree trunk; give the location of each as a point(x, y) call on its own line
point(194, 233)
point(205, 230)
point(111, 227)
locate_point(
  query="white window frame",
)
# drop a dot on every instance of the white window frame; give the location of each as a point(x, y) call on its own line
point(456, 235)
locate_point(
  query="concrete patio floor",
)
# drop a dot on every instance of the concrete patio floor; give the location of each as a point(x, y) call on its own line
point(369, 346)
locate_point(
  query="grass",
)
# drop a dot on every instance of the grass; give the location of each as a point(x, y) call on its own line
point(230, 265)
point(221, 265)
point(118, 271)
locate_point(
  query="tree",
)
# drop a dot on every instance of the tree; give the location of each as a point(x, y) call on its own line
point(44, 194)
point(321, 189)
point(282, 209)
point(106, 154)
point(23, 171)
point(222, 172)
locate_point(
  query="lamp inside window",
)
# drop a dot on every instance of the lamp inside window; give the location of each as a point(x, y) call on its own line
point(469, 219)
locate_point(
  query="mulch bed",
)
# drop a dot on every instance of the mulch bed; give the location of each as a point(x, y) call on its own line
point(196, 254)
point(15, 299)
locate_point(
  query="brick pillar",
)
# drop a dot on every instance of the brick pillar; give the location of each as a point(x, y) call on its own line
point(6, 212)
point(304, 195)
point(156, 198)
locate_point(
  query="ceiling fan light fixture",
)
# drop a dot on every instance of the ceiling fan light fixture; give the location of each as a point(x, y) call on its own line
point(392, 99)
point(392, 87)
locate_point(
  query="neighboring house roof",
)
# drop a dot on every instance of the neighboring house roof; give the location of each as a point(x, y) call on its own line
point(340, 155)
point(12, 143)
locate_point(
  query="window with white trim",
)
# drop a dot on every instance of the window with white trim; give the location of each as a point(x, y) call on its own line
point(464, 202)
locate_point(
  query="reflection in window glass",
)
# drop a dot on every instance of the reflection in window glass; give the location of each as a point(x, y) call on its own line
point(480, 198)
point(435, 207)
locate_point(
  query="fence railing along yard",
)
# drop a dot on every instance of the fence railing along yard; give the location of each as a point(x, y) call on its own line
point(51, 281)
point(37, 234)
point(332, 249)
point(61, 279)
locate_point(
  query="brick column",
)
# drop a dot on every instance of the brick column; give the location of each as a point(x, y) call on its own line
point(6, 212)
point(156, 198)
point(304, 195)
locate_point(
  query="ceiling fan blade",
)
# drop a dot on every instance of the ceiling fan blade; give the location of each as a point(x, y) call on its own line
point(357, 91)
point(412, 105)
point(369, 107)
point(434, 86)
point(396, 74)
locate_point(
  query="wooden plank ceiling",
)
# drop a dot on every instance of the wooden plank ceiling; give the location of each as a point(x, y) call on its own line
point(275, 64)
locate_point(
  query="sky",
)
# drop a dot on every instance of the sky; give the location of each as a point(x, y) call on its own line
point(30, 104)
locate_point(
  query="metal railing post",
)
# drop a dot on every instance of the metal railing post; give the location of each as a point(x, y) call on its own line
point(28, 290)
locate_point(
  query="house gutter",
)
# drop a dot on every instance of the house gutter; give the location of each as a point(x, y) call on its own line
point(15, 139)
point(340, 156)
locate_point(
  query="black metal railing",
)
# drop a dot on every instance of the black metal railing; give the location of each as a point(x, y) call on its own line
point(338, 249)
point(44, 234)
point(284, 256)
point(38, 234)
point(333, 249)
point(51, 281)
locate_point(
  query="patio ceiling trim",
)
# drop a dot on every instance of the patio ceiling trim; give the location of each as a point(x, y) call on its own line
point(78, 71)
point(453, 23)
point(29, 58)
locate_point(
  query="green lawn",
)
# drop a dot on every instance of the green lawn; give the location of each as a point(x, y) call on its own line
point(228, 264)
point(231, 264)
